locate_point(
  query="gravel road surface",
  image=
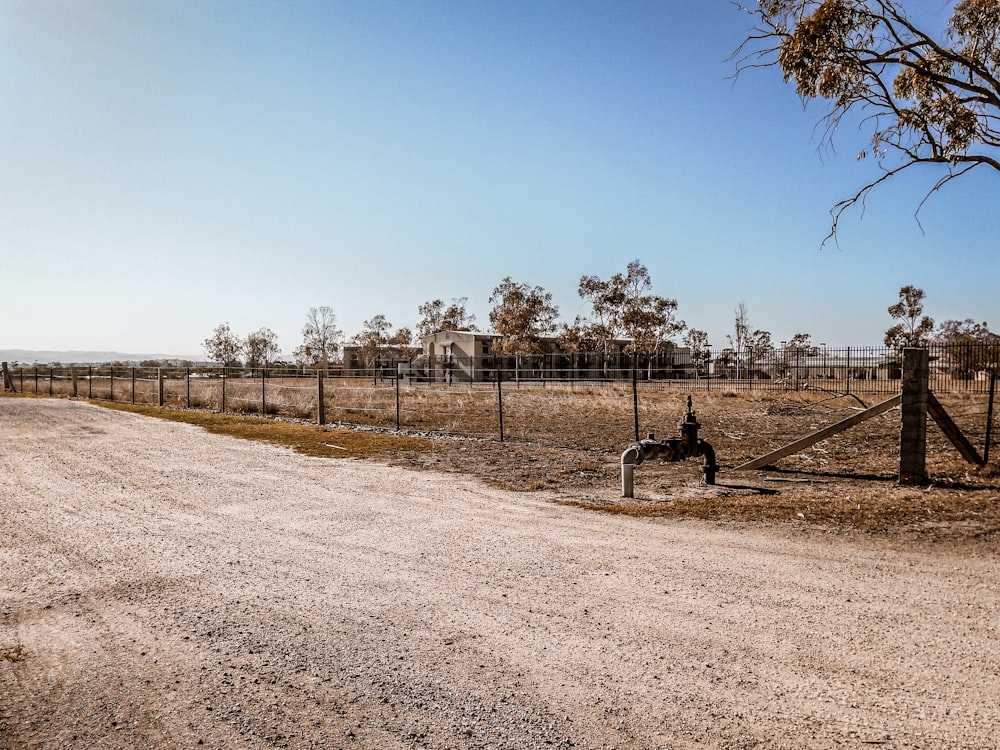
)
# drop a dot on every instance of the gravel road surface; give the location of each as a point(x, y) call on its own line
point(164, 587)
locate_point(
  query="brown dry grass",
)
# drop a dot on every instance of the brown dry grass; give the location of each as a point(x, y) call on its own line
point(310, 440)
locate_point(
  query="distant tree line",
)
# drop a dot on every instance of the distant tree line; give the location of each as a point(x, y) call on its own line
point(623, 310)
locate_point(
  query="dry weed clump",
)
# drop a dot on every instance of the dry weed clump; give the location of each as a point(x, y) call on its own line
point(13, 653)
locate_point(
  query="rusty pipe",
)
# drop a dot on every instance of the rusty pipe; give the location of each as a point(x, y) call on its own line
point(709, 467)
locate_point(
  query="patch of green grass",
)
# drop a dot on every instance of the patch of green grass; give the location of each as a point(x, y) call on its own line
point(310, 440)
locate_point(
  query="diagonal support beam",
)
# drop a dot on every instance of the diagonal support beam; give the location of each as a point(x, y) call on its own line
point(821, 434)
point(952, 431)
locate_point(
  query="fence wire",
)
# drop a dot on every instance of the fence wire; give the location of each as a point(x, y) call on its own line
point(593, 403)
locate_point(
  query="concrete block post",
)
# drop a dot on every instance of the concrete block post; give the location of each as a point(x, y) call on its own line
point(8, 381)
point(913, 426)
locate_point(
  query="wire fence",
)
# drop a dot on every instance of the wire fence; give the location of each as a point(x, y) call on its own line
point(542, 398)
point(862, 370)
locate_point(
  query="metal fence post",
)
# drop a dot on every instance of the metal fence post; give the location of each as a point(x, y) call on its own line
point(223, 389)
point(320, 403)
point(989, 418)
point(187, 386)
point(159, 386)
point(133, 385)
point(847, 372)
point(635, 401)
point(263, 391)
point(500, 398)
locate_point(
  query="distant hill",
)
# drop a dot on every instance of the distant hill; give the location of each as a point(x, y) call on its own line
point(28, 357)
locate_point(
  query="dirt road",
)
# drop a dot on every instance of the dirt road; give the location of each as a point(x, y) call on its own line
point(163, 587)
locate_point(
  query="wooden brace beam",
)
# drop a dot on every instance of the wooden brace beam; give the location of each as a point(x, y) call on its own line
point(821, 434)
point(952, 431)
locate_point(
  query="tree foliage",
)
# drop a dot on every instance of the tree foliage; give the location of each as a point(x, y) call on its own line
point(374, 335)
point(261, 348)
point(925, 98)
point(745, 340)
point(520, 316)
point(741, 328)
point(971, 347)
point(966, 331)
point(578, 336)
point(760, 342)
point(914, 328)
point(696, 340)
point(607, 299)
point(224, 346)
point(624, 307)
point(436, 316)
point(401, 337)
point(321, 338)
point(801, 344)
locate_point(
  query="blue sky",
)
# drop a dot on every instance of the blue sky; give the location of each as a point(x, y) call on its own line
point(166, 166)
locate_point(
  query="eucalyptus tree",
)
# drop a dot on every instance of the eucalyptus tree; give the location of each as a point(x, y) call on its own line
point(224, 346)
point(261, 348)
point(624, 307)
point(924, 98)
point(746, 342)
point(914, 328)
point(521, 315)
point(437, 316)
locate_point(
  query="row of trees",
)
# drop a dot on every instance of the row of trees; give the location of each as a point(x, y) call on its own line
point(321, 343)
point(623, 310)
point(258, 349)
point(912, 329)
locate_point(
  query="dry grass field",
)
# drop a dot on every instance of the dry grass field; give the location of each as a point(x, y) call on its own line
point(847, 482)
point(569, 439)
